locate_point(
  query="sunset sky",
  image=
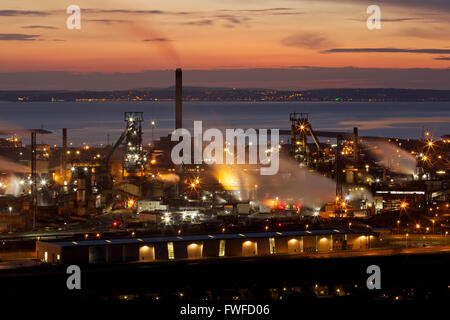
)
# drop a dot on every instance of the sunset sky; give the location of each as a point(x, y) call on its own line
point(137, 35)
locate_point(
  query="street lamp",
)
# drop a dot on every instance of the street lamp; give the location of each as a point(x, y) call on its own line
point(153, 127)
point(398, 226)
point(10, 218)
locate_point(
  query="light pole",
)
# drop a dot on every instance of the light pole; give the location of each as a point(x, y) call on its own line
point(10, 218)
point(153, 127)
point(433, 224)
point(398, 226)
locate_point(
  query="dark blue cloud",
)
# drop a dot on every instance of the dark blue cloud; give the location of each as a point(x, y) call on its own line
point(387, 50)
point(39, 27)
point(18, 37)
point(13, 13)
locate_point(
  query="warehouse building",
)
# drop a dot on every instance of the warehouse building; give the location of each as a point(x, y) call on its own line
point(201, 246)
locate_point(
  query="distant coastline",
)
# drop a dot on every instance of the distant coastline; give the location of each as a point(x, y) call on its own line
point(231, 94)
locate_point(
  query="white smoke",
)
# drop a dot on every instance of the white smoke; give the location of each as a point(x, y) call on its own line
point(7, 165)
point(291, 183)
point(169, 178)
point(13, 187)
point(391, 156)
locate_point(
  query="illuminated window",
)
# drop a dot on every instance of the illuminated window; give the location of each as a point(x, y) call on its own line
point(58, 257)
point(272, 246)
point(45, 256)
point(170, 250)
point(222, 248)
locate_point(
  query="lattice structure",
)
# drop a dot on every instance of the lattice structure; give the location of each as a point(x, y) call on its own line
point(134, 157)
point(300, 128)
point(299, 138)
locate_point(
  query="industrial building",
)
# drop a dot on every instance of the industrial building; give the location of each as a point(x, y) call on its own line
point(202, 246)
point(67, 187)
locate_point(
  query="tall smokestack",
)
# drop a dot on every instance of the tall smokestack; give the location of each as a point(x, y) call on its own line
point(64, 155)
point(356, 144)
point(178, 99)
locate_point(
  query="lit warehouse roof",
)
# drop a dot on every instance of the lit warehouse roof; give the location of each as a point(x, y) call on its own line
point(220, 236)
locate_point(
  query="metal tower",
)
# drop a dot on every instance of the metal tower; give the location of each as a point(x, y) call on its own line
point(33, 179)
point(300, 127)
point(134, 157)
point(339, 210)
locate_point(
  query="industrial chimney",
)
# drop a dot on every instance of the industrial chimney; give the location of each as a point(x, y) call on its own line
point(63, 155)
point(178, 99)
point(355, 144)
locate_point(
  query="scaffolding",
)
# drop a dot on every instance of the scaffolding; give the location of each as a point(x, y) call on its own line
point(339, 209)
point(134, 157)
point(300, 128)
point(33, 180)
